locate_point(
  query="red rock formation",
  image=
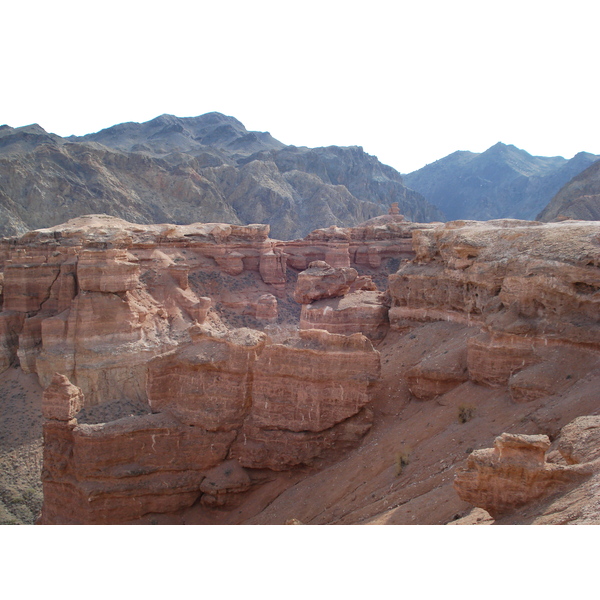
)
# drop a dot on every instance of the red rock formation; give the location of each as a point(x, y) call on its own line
point(368, 246)
point(435, 375)
point(266, 308)
point(515, 472)
point(528, 287)
point(224, 394)
point(113, 270)
point(119, 471)
point(312, 383)
point(279, 449)
point(359, 312)
point(223, 482)
point(207, 383)
point(116, 307)
point(138, 288)
point(514, 277)
point(62, 400)
point(75, 301)
point(321, 280)
point(579, 441)
point(493, 359)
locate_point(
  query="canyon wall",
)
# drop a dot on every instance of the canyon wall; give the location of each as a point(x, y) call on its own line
point(95, 299)
point(246, 354)
point(125, 313)
point(529, 290)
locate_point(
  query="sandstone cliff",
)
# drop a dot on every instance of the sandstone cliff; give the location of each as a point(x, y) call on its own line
point(211, 396)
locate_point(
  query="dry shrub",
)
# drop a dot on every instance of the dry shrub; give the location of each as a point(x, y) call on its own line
point(402, 459)
point(465, 413)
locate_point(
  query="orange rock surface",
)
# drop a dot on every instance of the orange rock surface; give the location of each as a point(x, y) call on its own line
point(515, 472)
point(221, 395)
point(496, 322)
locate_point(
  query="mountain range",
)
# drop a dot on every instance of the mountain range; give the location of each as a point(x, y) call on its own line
point(196, 169)
point(578, 199)
point(502, 182)
point(210, 168)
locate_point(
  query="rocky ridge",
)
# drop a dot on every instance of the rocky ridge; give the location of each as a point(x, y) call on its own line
point(502, 182)
point(577, 199)
point(196, 169)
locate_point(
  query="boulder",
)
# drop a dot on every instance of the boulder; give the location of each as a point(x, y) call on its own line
point(513, 474)
point(321, 281)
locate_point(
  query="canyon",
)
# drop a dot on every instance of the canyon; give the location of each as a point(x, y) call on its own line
point(211, 374)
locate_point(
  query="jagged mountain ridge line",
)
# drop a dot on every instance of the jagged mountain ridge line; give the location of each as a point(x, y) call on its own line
point(194, 169)
point(577, 199)
point(501, 182)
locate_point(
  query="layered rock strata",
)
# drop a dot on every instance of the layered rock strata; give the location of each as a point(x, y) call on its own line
point(338, 300)
point(366, 246)
point(97, 297)
point(132, 312)
point(530, 289)
point(321, 280)
point(226, 395)
point(363, 312)
point(516, 473)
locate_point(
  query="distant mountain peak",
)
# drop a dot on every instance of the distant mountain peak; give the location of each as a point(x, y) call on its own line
point(207, 168)
point(502, 182)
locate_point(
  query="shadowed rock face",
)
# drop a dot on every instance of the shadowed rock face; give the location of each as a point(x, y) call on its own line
point(190, 170)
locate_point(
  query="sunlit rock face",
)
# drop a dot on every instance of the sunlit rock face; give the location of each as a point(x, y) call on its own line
point(528, 286)
point(516, 472)
point(169, 317)
point(223, 394)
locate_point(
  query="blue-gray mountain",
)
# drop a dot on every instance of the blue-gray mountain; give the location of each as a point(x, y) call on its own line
point(197, 169)
point(578, 199)
point(502, 182)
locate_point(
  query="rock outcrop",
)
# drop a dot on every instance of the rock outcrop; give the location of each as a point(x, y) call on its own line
point(516, 473)
point(96, 298)
point(531, 290)
point(321, 280)
point(224, 395)
point(363, 312)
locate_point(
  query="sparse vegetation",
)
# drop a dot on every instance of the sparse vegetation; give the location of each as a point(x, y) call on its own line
point(402, 459)
point(465, 413)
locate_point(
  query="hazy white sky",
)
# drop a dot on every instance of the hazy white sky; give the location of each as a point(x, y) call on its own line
point(409, 81)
